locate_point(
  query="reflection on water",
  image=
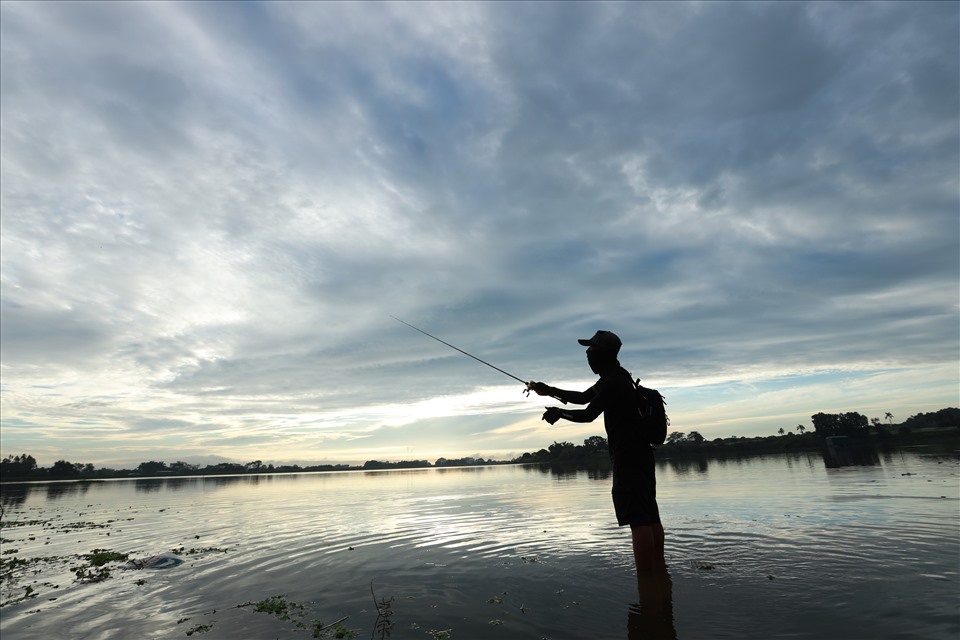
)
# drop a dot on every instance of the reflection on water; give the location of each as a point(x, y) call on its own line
point(651, 618)
point(842, 451)
point(758, 547)
point(685, 466)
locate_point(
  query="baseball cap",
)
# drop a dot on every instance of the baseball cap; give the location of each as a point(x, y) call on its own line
point(607, 340)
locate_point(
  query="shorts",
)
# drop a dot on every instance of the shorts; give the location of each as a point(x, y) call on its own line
point(635, 491)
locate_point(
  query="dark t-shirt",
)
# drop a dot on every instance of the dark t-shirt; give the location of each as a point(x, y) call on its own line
point(613, 395)
point(634, 477)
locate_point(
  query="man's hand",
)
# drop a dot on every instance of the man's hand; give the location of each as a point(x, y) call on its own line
point(539, 388)
point(552, 414)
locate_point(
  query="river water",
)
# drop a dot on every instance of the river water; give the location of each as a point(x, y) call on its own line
point(761, 547)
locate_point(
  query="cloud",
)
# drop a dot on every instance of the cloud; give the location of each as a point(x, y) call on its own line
point(211, 211)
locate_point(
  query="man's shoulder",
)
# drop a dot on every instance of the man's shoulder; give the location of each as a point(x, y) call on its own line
point(616, 379)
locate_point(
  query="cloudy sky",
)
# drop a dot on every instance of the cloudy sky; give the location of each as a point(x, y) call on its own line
point(210, 211)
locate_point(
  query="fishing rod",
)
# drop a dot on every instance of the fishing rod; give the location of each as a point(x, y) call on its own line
point(524, 382)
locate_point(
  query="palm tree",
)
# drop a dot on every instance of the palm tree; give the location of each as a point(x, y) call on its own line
point(889, 417)
point(801, 428)
point(781, 431)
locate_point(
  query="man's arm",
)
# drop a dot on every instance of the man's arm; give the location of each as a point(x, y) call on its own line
point(589, 414)
point(563, 395)
point(594, 409)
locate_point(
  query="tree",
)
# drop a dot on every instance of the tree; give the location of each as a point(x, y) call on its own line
point(594, 444)
point(853, 424)
point(676, 437)
point(826, 424)
point(942, 418)
point(695, 438)
point(801, 428)
point(843, 424)
point(151, 468)
point(781, 432)
point(889, 417)
point(557, 448)
point(63, 469)
point(18, 466)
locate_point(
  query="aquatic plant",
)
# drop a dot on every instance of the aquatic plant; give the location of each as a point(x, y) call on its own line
point(194, 551)
point(200, 628)
point(28, 592)
point(335, 630)
point(100, 557)
point(383, 624)
point(289, 611)
point(279, 607)
point(7, 565)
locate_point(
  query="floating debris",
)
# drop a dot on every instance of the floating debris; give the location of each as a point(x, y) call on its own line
point(162, 561)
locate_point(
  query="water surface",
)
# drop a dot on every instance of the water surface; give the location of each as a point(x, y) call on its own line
point(761, 547)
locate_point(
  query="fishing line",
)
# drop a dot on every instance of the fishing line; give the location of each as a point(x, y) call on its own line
point(527, 385)
point(462, 351)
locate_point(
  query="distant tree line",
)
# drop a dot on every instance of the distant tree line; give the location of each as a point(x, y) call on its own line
point(593, 449)
point(939, 419)
point(798, 438)
point(24, 467)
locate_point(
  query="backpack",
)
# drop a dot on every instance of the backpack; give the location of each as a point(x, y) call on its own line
point(653, 414)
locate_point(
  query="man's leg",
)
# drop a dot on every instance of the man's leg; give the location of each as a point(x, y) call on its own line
point(644, 547)
point(648, 547)
point(660, 562)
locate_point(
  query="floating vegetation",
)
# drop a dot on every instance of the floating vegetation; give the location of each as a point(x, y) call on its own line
point(200, 628)
point(100, 557)
point(22, 523)
point(193, 551)
point(96, 570)
point(87, 574)
point(7, 565)
point(289, 611)
point(28, 592)
point(335, 630)
point(83, 525)
point(440, 635)
point(280, 607)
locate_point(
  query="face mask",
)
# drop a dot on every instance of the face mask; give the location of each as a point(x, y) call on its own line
point(599, 361)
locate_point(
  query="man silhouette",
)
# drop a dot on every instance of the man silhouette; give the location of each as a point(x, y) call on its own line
point(634, 481)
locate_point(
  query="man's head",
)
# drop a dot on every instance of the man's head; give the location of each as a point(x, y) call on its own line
point(603, 341)
point(602, 350)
